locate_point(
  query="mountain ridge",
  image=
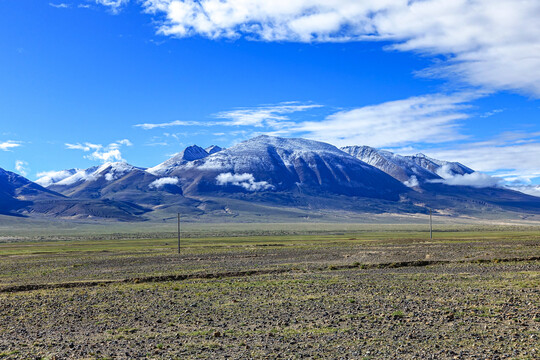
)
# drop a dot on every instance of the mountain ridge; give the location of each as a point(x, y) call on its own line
point(271, 171)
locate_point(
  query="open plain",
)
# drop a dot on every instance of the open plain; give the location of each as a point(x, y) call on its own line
point(372, 292)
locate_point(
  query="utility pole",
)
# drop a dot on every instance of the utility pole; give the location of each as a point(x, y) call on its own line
point(178, 233)
point(430, 226)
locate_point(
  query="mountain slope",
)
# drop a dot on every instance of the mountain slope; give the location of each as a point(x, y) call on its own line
point(19, 187)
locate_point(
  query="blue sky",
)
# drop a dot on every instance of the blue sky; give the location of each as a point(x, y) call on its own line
point(83, 82)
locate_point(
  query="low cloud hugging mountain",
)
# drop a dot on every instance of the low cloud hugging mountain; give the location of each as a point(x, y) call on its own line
point(475, 179)
point(159, 183)
point(246, 180)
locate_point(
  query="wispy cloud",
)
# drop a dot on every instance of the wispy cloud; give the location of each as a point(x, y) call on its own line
point(102, 153)
point(428, 119)
point(8, 145)
point(150, 126)
point(21, 167)
point(60, 5)
point(274, 116)
point(489, 44)
point(114, 5)
point(491, 113)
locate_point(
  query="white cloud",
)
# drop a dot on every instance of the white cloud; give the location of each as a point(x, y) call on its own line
point(159, 183)
point(60, 5)
point(47, 178)
point(8, 145)
point(412, 182)
point(475, 179)
point(268, 115)
point(102, 153)
point(113, 5)
point(512, 157)
point(428, 119)
point(149, 126)
point(486, 43)
point(491, 113)
point(106, 156)
point(79, 175)
point(246, 180)
point(21, 167)
point(84, 147)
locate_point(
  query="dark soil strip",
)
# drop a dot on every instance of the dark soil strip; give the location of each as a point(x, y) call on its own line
point(229, 274)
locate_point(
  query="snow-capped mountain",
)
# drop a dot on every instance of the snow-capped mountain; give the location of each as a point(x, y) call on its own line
point(407, 169)
point(117, 181)
point(268, 163)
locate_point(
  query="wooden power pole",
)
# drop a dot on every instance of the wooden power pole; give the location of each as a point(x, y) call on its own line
point(178, 233)
point(430, 226)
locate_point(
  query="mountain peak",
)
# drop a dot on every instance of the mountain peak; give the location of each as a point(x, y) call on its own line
point(191, 153)
point(212, 149)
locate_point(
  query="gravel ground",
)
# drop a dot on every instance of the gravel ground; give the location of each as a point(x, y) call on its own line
point(338, 297)
point(447, 311)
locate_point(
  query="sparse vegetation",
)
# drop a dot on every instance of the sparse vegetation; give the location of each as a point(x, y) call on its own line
point(324, 296)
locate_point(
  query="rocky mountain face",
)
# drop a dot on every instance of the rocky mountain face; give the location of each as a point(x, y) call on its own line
point(262, 173)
